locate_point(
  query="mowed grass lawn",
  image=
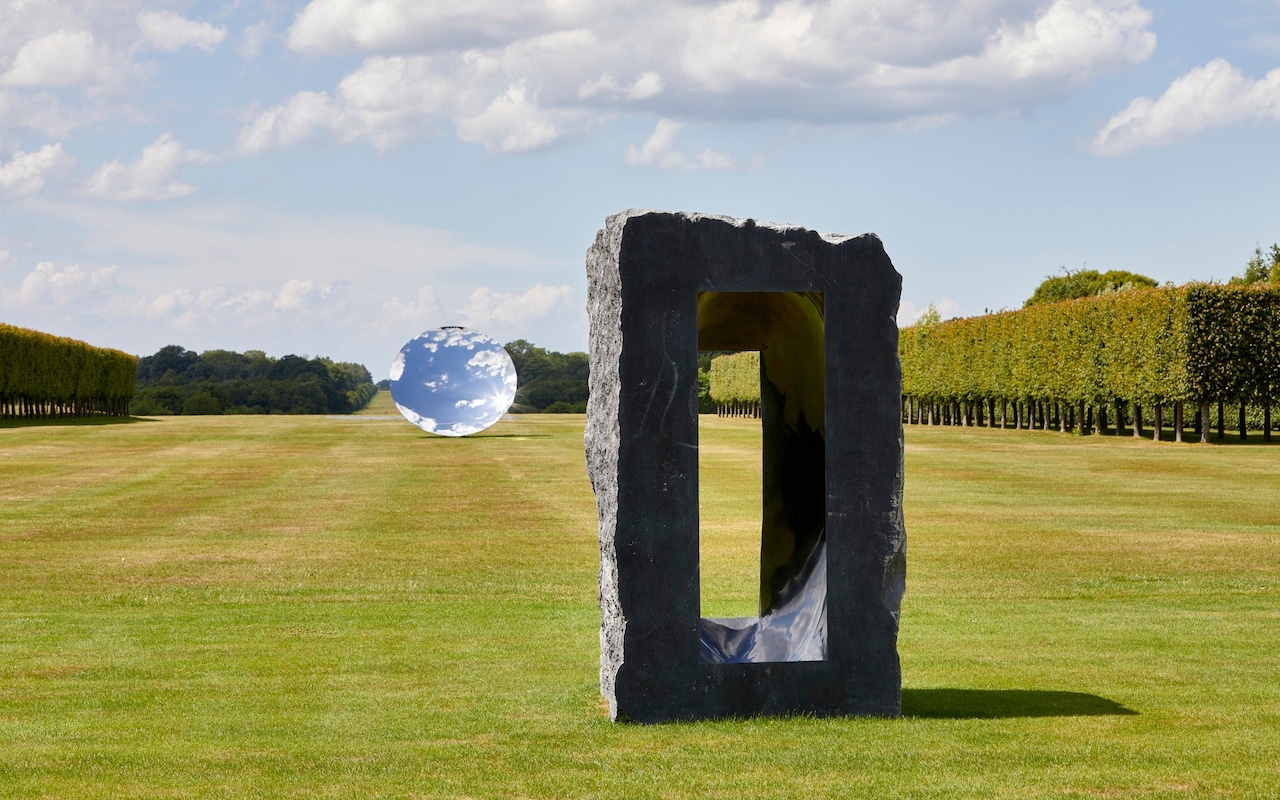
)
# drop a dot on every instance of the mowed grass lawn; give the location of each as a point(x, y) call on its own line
point(349, 607)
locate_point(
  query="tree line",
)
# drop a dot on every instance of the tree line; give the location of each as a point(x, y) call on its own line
point(548, 382)
point(179, 381)
point(42, 375)
point(1130, 357)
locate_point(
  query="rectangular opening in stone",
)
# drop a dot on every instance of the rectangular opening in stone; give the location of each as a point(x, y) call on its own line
point(764, 583)
point(729, 490)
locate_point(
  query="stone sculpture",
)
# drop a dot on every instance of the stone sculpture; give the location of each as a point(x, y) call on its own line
point(821, 310)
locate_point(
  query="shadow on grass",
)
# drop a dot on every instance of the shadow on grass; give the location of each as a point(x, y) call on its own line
point(1006, 704)
point(70, 422)
point(475, 436)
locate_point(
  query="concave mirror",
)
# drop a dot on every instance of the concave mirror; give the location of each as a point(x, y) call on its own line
point(453, 381)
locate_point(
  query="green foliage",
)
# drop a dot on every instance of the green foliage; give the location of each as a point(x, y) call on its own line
point(1201, 342)
point(1086, 283)
point(1260, 268)
point(1233, 342)
point(41, 374)
point(549, 381)
point(735, 378)
point(179, 381)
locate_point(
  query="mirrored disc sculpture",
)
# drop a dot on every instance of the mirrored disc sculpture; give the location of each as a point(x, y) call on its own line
point(453, 381)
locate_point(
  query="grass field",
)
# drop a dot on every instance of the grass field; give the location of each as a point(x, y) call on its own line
point(348, 607)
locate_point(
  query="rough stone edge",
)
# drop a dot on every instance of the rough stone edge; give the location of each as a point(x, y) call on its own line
point(737, 222)
point(603, 435)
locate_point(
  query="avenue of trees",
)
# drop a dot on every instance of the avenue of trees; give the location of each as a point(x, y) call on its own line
point(42, 375)
point(1132, 356)
point(179, 381)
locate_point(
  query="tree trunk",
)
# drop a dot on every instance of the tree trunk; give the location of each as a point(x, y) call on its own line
point(1204, 422)
point(1178, 421)
point(1137, 420)
point(1080, 417)
point(1102, 419)
point(1220, 425)
point(1244, 433)
point(1266, 421)
point(1120, 420)
point(1158, 420)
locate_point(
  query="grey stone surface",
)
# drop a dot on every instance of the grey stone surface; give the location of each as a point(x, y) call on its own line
point(646, 274)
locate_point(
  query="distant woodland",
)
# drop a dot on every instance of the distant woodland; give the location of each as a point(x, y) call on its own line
point(180, 381)
point(550, 382)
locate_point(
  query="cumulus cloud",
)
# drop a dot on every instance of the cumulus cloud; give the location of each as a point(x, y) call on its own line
point(49, 286)
point(62, 58)
point(152, 177)
point(304, 295)
point(1214, 95)
point(167, 30)
point(389, 100)
point(330, 27)
point(26, 173)
point(520, 76)
point(659, 150)
point(65, 65)
point(507, 310)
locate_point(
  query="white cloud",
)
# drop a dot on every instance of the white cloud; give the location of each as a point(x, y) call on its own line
point(44, 112)
point(519, 76)
point(909, 312)
point(152, 177)
point(288, 124)
point(415, 314)
point(490, 362)
point(507, 310)
point(659, 151)
point(167, 30)
point(64, 65)
point(63, 58)
point(49, 286)
point(26, 173)
point(390, 100)
point(330, 27)
point(304, 295)
point(1215, 95)
point(295, 303)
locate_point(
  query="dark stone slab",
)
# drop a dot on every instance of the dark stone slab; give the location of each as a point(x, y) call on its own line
point(821, 309)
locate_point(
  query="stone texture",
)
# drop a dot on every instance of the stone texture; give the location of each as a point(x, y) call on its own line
point(646, 274)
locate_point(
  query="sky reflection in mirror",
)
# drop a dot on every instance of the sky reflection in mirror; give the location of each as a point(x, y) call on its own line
point(453, 381)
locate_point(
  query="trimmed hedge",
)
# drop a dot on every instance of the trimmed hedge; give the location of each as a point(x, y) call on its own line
point(735, 384)
point(43, 376)
point(1200, 344)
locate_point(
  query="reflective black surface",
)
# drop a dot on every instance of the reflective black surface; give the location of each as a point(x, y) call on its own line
point(453, 381)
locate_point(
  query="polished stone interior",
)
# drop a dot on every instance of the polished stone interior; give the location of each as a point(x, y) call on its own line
point(453, 381)
point(787, 329)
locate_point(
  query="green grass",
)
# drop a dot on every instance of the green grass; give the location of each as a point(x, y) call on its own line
point(321, 607)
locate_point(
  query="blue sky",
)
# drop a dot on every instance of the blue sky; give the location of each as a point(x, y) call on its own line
point(335, 177)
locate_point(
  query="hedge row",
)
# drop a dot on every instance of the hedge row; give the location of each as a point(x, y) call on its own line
point(735, 384)
point(1198, 344)
point(43, 375)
